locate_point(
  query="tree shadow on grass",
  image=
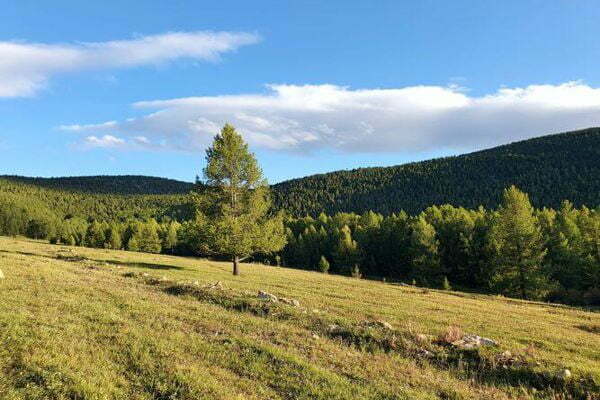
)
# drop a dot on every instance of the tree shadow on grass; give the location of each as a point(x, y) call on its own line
point(79, 258)
point(141, 265)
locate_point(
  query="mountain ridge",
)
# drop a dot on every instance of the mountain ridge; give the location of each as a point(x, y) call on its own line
point(550, 168)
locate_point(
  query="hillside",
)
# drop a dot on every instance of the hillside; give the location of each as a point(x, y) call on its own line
point(18, 192)
point(120, 184)
point(550, 168)
point(121, 325)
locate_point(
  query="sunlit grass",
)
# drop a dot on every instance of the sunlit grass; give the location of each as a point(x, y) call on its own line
point(78, 323)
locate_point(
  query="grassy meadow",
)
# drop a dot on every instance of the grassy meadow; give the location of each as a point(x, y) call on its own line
point(81, 323)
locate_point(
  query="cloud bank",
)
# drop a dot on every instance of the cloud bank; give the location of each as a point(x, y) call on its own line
point(26, 67)
point(303, 119)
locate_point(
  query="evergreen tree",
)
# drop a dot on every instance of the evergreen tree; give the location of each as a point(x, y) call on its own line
point(95, 235)
point(424, 250)
point(235, 204)
point(169, 240)
point(446, 284)
point(113, 238)
point(347, 254)
point(323, 265)
point(519, 252)
point(148, 239)
point(132, 244)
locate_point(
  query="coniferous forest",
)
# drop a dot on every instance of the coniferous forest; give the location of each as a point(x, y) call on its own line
point(539, 248)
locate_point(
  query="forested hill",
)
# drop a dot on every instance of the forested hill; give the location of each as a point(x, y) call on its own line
point(123, 184)
point(550, 168)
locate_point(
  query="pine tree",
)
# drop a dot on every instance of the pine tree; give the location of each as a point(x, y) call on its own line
point(148, 239)
point(169, 239)
point(233, 209)
point(446, 284)
point(95, 235)
point(132, 244)
point(424, 252)
point(518, 248)
point(323, 265)
point(113, 238)
point(347, 253)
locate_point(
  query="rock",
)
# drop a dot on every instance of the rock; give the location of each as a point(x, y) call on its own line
point(1, 274)
point(424, 353)
point(564, 374)
point(378, 324)
point(385, 325)
point(267, 296)
point(291, 302)
point(404, 284)
point(468, 342)
point(421, 338)
point(334, 328)
point(216, 285)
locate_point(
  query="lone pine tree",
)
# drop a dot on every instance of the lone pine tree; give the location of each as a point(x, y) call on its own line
point(233, 208)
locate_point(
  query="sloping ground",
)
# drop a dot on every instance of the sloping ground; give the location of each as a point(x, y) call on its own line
point(80, 323)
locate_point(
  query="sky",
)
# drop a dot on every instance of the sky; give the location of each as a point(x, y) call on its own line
point(138, 87)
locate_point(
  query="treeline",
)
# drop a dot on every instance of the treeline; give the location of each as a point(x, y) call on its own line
point(515, 250)
point(550, 168)
point(119, 184)
point(147, 235)
point(93, 206)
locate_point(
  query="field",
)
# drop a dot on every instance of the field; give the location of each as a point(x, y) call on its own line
point(79, 323)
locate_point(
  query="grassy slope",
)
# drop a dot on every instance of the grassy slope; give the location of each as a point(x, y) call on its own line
point(73, 326)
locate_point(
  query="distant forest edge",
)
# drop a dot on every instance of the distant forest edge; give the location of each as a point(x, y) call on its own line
point(550, 168)
point(120, 184)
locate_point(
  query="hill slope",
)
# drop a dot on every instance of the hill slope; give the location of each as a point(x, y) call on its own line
point(550, 168)
point(119, 184)
point(119, 325)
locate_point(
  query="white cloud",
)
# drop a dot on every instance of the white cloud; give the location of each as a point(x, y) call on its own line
point(312, 117)
point(104, 141)
point(26, 67)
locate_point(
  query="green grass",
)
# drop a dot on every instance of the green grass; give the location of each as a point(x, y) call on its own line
point(79, 323)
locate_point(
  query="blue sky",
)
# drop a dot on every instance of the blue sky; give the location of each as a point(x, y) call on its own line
point(136, 87)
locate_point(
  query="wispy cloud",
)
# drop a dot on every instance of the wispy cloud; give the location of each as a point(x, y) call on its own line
point(313, 117)
point(109, 141)
point(26, 67)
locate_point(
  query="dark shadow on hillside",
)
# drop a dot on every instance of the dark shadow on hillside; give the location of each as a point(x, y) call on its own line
point(79, 258)
point(25, 253)
point(139, 265)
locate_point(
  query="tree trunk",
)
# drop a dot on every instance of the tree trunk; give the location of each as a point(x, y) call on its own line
point(236, 269)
